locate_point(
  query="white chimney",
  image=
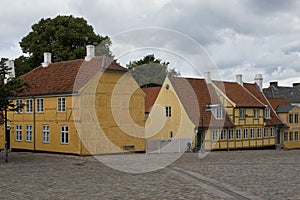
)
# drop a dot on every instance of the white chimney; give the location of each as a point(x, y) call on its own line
point(11, 72)
point(47, 59)
point(207, 77)
point(259, 81)
point(239, 79)
point(90, 52)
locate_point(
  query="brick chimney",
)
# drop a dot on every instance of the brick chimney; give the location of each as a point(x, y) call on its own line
point(47, 59)
point(259, 81)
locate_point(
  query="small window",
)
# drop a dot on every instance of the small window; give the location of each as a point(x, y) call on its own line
point(255, 113)
point(46, 134)
point(267, 113)
point(252, 133)
point(291, 118)
point(296, 136)
point(230, 134)
point(259, 133)
point(29, 105)
point(272, 132)
point(245, 133)
point(238, 134)
point(285, 137)
point(215, 135)
point(242, 113)
point(296, 118)
point(168, 111)
point(218, 112)
point(19, 105)
point(266, 134)
point(64, 135)
point(171, 134)
point(39, 105)
point(18, 132)
point(61, 104)
point(223, 134)
point(28, 133)
point(291, 136)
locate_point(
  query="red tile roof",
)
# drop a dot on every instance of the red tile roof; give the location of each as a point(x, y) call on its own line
point(275, 102)
point(195, 95)
point(253, 88)
point(66, 77)
point(151, 95)
point(238, 94)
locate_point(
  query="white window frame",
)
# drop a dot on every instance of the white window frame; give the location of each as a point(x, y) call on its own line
point(40, 105)
point(272, 132)
point(267, 112)
point(231, 134)
point(64, 135)
point(252, 133)
point(168, 111)
point(61, 104)
point(245, 133)
point(266, 132)
point(28, 133)
point(259, 132)
point(223, 135)
point(46, 133)
point(29, 105)
point(215, 135)
point(238, 134)
point(255, 113)
point(19, 103)
point(218, 112)
point(19, 133)
point(242, 113)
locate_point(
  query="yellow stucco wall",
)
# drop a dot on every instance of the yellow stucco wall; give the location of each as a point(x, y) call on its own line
point(2, 138)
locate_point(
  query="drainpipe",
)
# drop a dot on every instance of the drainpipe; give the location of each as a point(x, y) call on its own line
point(34, 126)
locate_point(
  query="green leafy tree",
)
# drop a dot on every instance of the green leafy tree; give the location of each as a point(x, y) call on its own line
point(64, 36)
point(150, 71)
point(9, 87)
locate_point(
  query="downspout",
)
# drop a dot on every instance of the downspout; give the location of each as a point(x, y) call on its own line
point(34, 126)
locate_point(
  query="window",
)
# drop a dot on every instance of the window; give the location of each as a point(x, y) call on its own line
point(259, 133)
point(223, 134)
point(296, 118)
point(285, 136)
point(61, 104)
point(245, 133)
point(39, 105)
point(168, 111)
point(18, 132)
point(252, 133)
point(267, 113)
point(19, 105)
point(218, 112)
point(29, 105)
point(238, 134)
point(64, 135)
point(290, 118)
point(255, 113)
point(215, 135)
point(171, 134)
point(28, 133)
point(296, 136)
point(266, 132)
point(230, 134)
point(291, 136)
point(46, 133)
point(272, 132)
point(242, 113)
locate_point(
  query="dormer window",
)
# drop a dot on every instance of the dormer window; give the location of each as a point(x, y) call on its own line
point(217, 110)
point(267, 112)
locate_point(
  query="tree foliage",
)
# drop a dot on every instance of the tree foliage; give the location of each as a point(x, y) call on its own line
point(64, 36)
point(150, 71)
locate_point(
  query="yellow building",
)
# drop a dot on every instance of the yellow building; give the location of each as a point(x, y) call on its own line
point(2, 138)
point(84, 106)
point(289, 114)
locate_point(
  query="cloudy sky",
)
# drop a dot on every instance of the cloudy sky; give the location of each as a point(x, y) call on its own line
point(237, 36)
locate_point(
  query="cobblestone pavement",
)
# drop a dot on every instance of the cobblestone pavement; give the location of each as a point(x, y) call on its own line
point(257, 174)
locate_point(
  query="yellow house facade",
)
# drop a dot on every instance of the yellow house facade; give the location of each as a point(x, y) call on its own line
point(72, 107)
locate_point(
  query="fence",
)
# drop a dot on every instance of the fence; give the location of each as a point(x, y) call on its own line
point(176, 145)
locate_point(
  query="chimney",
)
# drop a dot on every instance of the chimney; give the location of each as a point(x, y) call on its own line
point(297, 85)
point(239, 79)
point(47, 59)
point(11, 65)
point(259, 81)
point(207, 77)
point(274, 83)
point(90, 52)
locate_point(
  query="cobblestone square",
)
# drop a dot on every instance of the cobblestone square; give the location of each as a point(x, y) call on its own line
point(256, 174)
